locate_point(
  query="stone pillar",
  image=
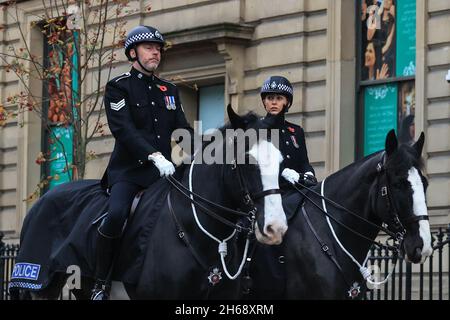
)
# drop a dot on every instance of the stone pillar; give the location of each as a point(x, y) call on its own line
point(234, 54)
point(420, 116)
point(340, 78)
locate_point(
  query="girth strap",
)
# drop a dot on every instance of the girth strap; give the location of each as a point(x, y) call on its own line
point(325, 248)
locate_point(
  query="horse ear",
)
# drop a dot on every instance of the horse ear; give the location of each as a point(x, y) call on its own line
point(391, 142)
point(418, 146)
point(235, 120)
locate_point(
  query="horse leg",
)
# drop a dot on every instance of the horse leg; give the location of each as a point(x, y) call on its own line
point(53, 290)
point(85, 290)
point(131, 291)
point(118, 291)
point(20, 294)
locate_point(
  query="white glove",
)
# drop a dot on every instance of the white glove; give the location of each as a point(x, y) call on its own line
point(309, 173)
point(309, 179)
point(164, 166)
point(290, 175)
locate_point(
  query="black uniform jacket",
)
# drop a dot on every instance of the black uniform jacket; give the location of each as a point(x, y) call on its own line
point(292, 146)
point(142, 113)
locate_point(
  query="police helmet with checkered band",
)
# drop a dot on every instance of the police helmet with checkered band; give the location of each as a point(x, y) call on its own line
point(278, 85)
point(141, 34)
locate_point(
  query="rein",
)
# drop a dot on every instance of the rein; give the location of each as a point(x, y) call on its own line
point(399, 229)
point(187, 194)
point(364, 271)
point(389, 247)
point(190, 195)
point(397, 235)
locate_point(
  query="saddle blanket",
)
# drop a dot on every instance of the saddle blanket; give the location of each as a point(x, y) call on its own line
point(59, 233)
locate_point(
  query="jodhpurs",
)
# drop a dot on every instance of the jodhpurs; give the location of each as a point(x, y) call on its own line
point(120, 201)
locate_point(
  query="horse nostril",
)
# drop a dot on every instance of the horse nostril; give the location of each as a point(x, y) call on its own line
point(269, 230)
point(418, 253)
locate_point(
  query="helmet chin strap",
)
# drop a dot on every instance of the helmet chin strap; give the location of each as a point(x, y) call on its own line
point(139, 61)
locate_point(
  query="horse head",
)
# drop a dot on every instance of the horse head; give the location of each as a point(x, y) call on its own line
point(400, 197)
point(254, 181)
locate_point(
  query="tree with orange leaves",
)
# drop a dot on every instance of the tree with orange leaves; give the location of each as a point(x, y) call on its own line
point(71, 28)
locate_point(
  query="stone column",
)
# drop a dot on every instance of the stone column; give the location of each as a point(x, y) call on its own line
point(234, 54)
point(340, 78)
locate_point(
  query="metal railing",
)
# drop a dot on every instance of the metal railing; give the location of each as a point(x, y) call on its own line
point(428, 281)
point(8, 253)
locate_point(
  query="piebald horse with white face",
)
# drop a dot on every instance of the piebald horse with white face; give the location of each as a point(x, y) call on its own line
point(326, 248)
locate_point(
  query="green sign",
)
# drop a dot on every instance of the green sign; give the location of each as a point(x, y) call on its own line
point(61, 158)
point(406, 38)
point(380, 115)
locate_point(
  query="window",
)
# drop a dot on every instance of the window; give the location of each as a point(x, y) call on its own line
point(211, 107)
point(385, 85)
point(204, 102)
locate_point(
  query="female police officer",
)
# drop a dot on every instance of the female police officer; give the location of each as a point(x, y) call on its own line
point(143, 111)
point(277, 96)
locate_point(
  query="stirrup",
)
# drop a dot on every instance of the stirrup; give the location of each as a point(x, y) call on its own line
point(100, 291)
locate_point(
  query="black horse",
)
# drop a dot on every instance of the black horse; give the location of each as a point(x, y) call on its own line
point(383, 191)
point(170, 245)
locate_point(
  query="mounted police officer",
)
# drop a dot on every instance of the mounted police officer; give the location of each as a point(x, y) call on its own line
point(143, 111)
point(277, 96)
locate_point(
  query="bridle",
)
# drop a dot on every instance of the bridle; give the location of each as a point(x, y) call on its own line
point(395, 225)
point(250, 214)
point(395, 229)
point(247, 201)
point(247, 197)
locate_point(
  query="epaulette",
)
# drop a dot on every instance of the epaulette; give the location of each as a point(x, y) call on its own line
point(123, 76)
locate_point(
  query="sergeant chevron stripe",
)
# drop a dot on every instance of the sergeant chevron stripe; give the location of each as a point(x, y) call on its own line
point(118, 105)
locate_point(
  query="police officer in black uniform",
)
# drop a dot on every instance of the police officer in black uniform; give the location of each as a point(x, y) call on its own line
point(277, 96)
point(143, 111)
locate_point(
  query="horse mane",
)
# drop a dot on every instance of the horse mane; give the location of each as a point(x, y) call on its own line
point(401, 160)
point(249, 117)
point(404, 158)
point(357, 164)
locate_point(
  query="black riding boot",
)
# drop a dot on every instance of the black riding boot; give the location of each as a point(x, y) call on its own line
point(104, 258)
